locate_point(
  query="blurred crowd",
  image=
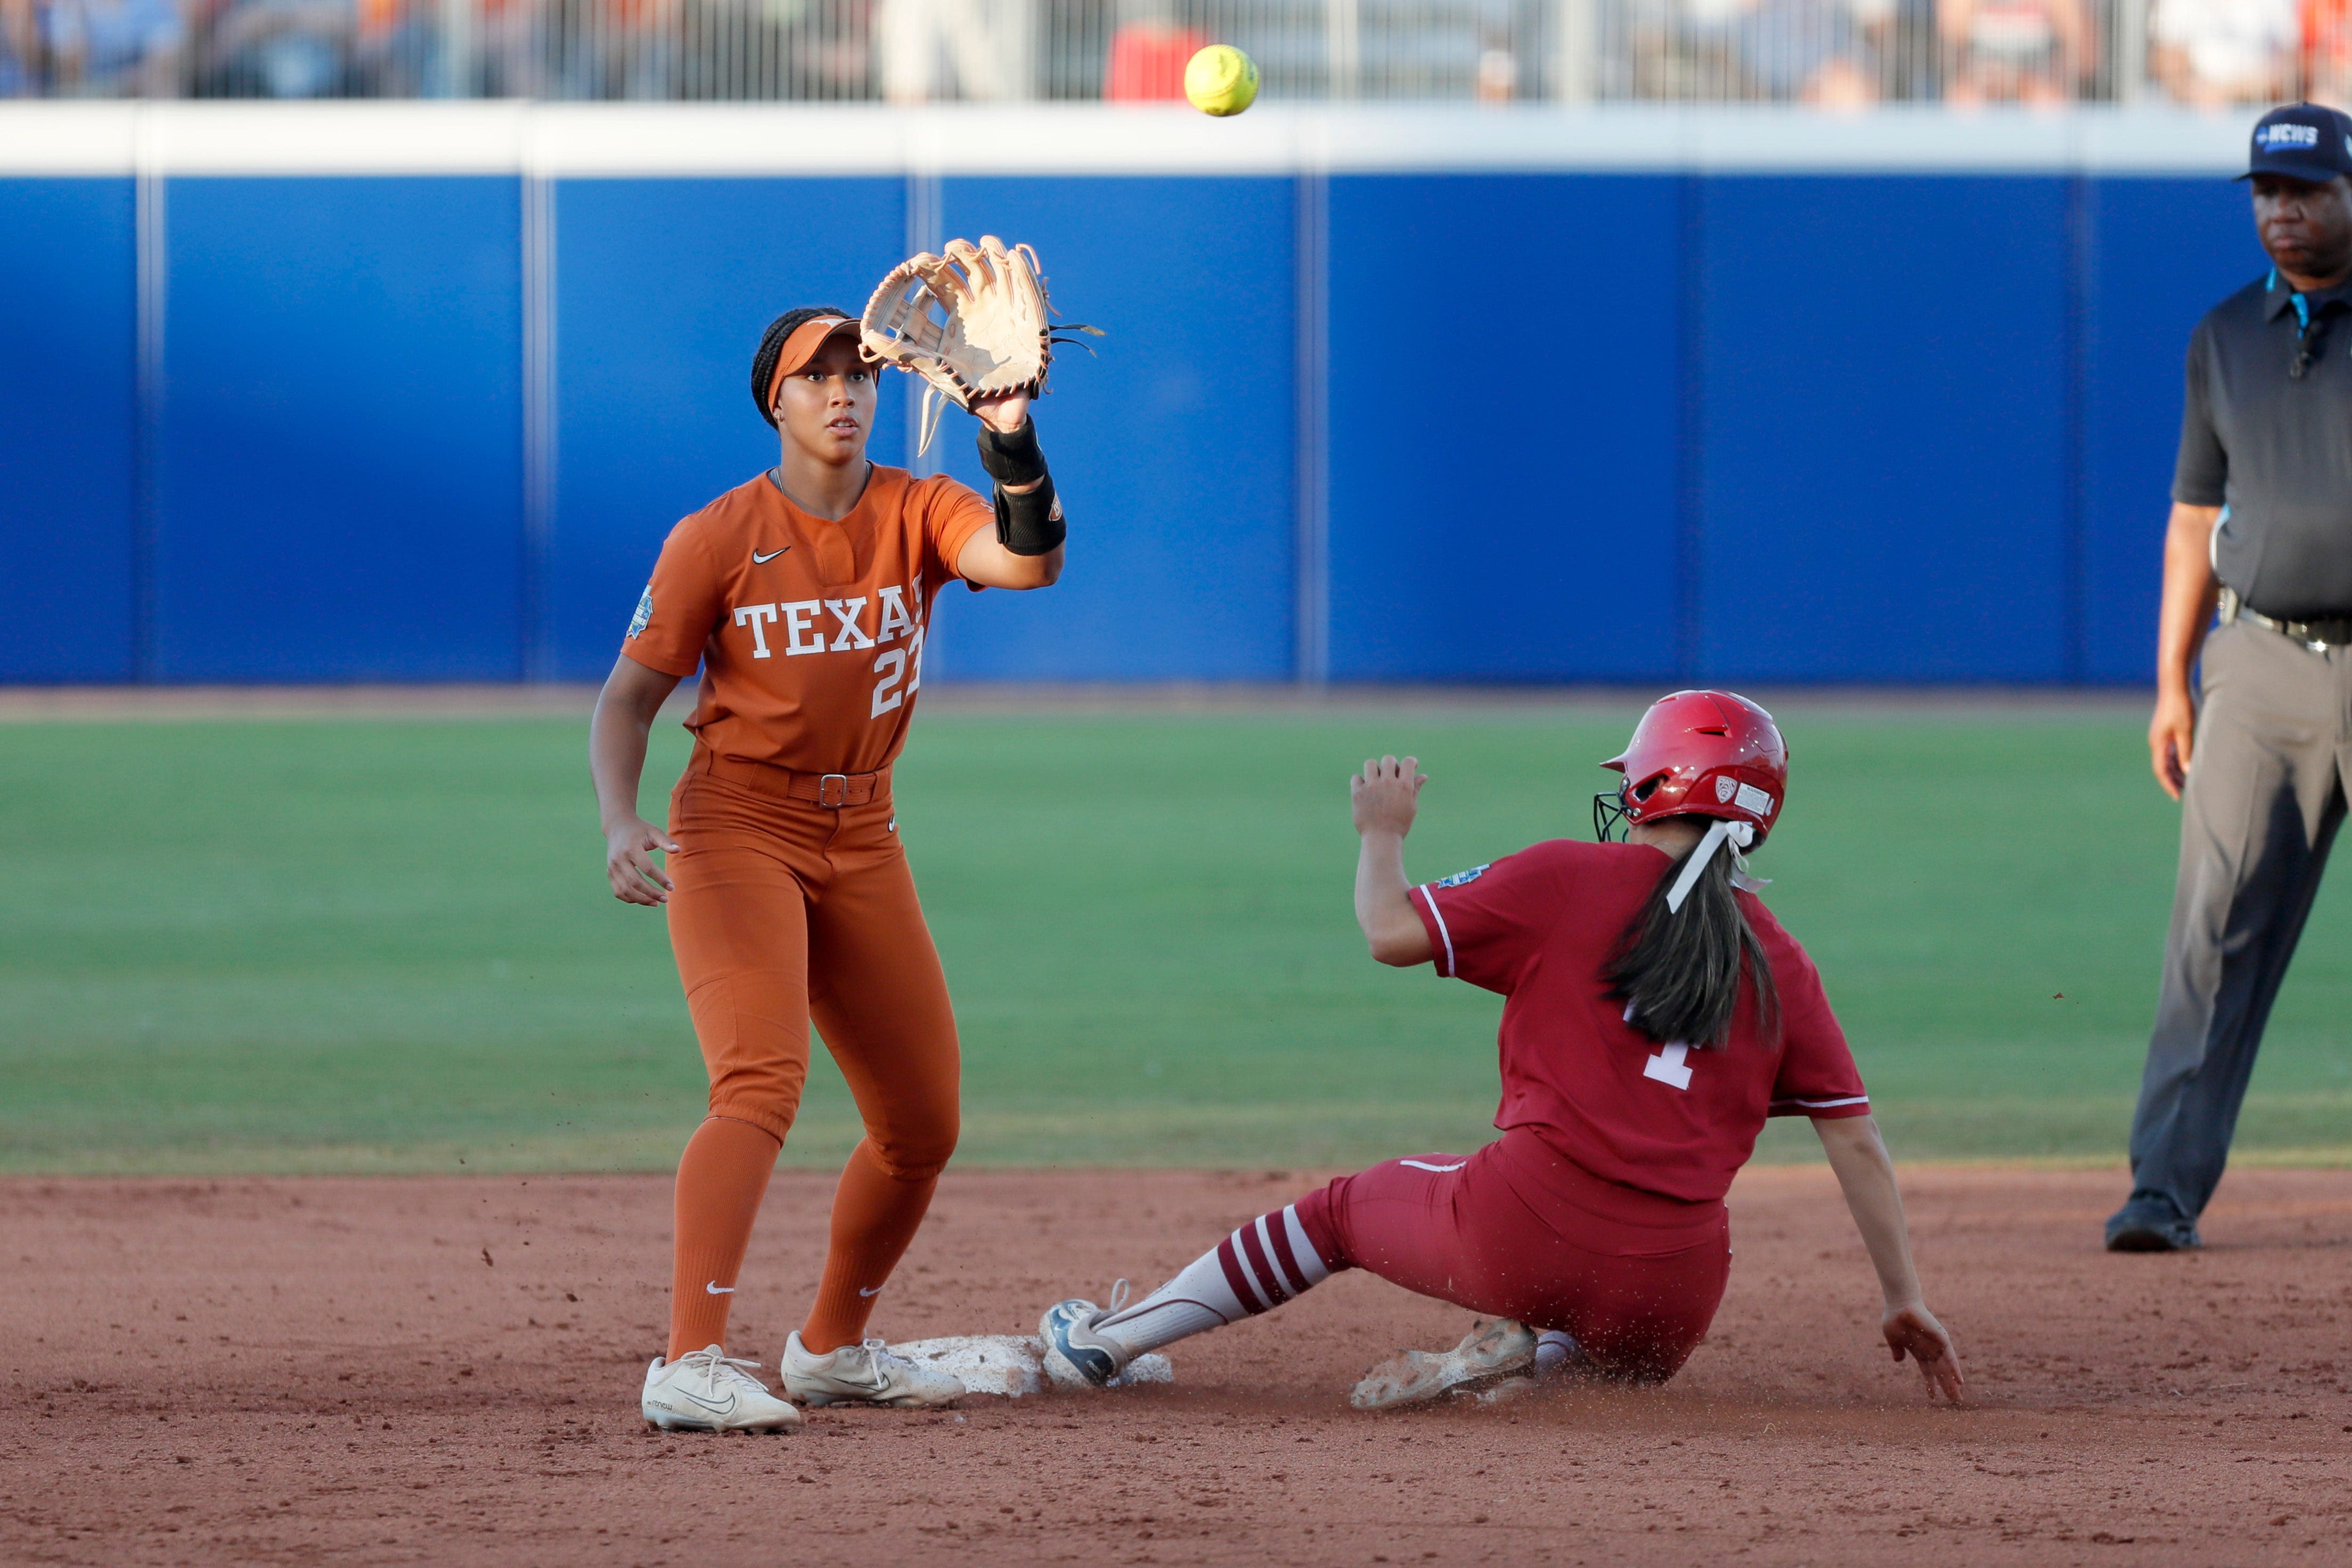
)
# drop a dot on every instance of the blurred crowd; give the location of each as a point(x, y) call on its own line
point(433, 48)
point(1828, 52)
point(2206, 53)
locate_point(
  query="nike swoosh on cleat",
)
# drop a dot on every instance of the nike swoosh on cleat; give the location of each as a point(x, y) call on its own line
point(712, 1405)
point(760, 559)
point(716, 1289)
point(1094, 1365)
point(876, 1291)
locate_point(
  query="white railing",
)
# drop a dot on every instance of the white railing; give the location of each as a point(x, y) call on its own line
point(1827, 53)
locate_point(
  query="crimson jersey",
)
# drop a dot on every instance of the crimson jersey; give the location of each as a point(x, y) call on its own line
point(1538, 927)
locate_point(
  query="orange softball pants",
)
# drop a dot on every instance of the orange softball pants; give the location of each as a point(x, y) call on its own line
point(782, 910)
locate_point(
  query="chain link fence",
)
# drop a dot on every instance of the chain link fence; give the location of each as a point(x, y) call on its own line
point(1828, 53)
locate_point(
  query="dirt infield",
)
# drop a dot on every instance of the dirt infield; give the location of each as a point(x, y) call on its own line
point(424, 1370)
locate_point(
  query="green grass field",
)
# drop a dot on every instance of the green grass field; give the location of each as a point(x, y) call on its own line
point(386, 944)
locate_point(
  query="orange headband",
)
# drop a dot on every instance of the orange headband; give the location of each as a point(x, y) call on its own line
point(801, 347)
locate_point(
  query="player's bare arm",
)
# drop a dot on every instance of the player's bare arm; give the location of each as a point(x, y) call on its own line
point(1385, 796)
point(1866, 1174)
point(2188, 609)
point(625, 710)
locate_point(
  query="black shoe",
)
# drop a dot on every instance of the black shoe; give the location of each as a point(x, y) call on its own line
point(2150, 1227)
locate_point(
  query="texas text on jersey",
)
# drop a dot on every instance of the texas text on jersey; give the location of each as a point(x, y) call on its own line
point(809, 632)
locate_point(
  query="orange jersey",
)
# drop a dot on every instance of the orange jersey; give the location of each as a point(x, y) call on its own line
point(809, 632)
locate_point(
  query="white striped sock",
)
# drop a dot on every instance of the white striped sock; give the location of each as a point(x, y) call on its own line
point(1262, 1264)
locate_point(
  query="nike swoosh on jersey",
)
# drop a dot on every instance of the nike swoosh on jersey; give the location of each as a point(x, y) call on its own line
point(760, 559)
point(716, 1289)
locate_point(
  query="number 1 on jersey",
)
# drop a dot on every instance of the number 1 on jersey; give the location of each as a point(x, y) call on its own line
point(1670, 1066)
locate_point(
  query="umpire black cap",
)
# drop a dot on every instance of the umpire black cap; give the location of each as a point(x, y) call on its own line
point(2302, 141)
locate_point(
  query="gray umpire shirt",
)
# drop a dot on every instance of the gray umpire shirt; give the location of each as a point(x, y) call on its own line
point(2274, 448)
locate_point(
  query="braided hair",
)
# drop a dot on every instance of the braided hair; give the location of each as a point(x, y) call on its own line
point(771, 349)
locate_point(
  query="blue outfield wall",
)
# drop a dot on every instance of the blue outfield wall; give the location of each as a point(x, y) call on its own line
point(661, 291)
point(1503, 396)
point(338, 433)
point(68, 427)
point(1886, 427)
point(2158, 253)
point(1173, 445)
point(1882, 395)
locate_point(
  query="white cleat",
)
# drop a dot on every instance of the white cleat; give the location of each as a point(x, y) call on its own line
point(1076, 1354)
point(1558, 1359)
point(710, 1391)
point(869, 1374)
point(1414, 1377)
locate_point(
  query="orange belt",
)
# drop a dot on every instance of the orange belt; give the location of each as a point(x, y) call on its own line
point(783, 783)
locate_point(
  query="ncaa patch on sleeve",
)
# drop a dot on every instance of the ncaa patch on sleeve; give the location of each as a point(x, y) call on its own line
point(644, 617)
point(1459, 878)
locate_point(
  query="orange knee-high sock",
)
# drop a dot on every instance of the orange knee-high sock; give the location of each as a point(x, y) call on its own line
point(874, 1216)
point(721, 1178)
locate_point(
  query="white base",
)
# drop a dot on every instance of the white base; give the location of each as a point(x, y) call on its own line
point(1010, 1364)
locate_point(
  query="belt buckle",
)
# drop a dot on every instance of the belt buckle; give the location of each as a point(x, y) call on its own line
point(833, 789)
point(2305, 633)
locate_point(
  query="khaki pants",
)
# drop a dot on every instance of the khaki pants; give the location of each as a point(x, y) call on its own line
point(2267, 792)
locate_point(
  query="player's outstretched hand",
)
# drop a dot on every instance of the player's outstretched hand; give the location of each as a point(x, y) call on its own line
point(1386, 795)
point(637, 876)
point(1003, 412)
point(1913, 1331)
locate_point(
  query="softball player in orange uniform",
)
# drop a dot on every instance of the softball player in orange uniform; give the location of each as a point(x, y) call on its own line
point(804, 595)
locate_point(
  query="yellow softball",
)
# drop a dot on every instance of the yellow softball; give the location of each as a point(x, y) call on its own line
point(1221, 80)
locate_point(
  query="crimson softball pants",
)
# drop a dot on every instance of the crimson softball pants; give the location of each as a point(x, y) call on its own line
point(1519, 1231)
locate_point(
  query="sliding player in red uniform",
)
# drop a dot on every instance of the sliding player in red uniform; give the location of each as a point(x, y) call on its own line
point(1656, 1014)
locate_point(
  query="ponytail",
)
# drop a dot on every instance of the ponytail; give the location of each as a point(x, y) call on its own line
point(1679, 970)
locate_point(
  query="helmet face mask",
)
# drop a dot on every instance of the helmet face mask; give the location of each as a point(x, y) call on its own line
point(1614, 809)
point(1698, 753)
point(1609, 815)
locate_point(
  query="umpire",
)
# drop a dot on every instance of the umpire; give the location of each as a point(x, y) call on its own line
point(2262, 527)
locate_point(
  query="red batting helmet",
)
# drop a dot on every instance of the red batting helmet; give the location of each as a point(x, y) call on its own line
point(1700, 753)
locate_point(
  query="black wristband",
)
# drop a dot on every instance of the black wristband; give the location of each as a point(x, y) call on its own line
point(1030, 524)
point(1012, 459)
